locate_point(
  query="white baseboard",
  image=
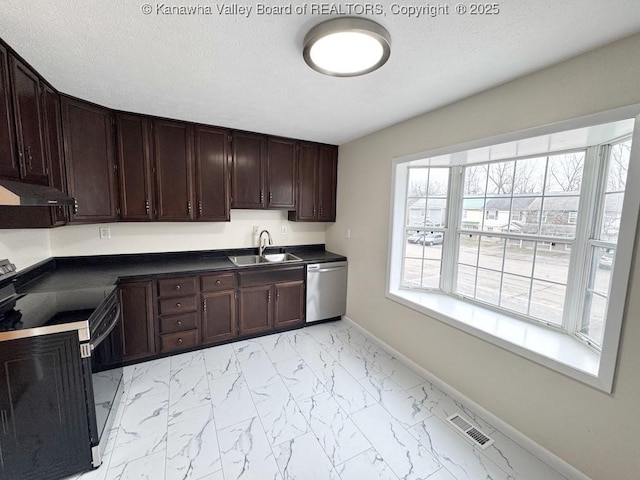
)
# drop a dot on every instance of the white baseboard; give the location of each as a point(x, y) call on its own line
point(521, 439)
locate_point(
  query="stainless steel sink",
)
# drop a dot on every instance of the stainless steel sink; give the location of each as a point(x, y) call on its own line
point(249, 260)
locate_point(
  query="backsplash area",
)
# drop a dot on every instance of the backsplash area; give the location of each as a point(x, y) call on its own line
point(26, 247)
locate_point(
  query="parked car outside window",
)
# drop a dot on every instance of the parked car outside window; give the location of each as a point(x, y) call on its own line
point(426, 238)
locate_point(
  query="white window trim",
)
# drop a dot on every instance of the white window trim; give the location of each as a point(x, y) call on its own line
point(551, 348)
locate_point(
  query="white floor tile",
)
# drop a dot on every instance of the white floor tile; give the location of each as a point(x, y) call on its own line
point(188, 387)
point(150, 467)
point(150, 378)
point(246, 453)
point(278, 347)
point(257, 368)
point(455, 453)
point(231, 400)
point(337, 434)
point(302, 458)
point(406, 457)
point(299, 379)
point(220, 361)
point(350, 395)
point(279, 413)
point(369, 465)
point(192, 444)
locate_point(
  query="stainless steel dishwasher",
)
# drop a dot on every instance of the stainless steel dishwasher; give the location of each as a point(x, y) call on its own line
point(326, 291)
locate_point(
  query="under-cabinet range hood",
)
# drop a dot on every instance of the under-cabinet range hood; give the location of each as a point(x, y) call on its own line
point(27, 194)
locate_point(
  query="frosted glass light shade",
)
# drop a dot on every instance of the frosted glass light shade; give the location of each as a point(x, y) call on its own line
point(347, 47)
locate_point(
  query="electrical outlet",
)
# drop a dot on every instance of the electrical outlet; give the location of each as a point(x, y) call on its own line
point(105, 233)
point(283, 230)
point(256, 229)
point(348, 234)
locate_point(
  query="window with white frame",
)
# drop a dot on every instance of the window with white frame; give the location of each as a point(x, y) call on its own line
point(528, 228)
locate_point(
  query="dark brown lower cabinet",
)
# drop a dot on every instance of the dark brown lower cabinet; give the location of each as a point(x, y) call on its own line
point(290, 303)
point(137, 323)
point(255, 309)
point(44, 431)
point(219, 319)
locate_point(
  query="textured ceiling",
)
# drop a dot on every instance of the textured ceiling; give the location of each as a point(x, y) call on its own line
point(248, 72)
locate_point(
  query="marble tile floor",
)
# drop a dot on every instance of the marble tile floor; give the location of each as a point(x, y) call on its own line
point(323, 402)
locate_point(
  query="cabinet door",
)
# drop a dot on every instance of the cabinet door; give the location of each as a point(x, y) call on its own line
point(248, 175)
point(307, 182)
point(90, 161)
point(327, 177)
point(173, 151)
point(290, 304)
point(8, 155)
point(255, 309)
point(44, 432)
point(53, 142)
point(219, 320)
point(281, 173)
point(29, 120)
point(212, 174)
point(137, 332)
point(134, 167)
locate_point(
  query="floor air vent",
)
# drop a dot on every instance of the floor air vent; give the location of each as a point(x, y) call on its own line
point(479, 438)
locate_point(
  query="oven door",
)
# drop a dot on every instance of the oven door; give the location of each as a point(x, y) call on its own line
point(103, 377)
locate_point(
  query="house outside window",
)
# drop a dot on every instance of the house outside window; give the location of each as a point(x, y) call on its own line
point(532, 237)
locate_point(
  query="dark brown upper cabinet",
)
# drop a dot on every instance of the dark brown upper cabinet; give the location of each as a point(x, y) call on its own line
point(173, 154)
point(9, 167)
point(248, 171)
point(281, 173)
point(90, 161)
point(133, 133)
point(212, 174)
point(27, 109)
point(317, 175)
point(54, 149)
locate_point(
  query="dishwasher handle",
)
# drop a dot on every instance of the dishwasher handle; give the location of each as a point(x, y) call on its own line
point(318, 270)
point(326, 267)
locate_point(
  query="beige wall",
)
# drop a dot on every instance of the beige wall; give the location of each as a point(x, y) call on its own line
point(587, 428)
point(25, 247)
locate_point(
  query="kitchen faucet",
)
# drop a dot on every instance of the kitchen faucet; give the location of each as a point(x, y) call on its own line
point(263, 243)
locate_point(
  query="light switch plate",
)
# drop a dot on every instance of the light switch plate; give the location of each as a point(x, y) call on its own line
point(105, 233)
point(284, 230)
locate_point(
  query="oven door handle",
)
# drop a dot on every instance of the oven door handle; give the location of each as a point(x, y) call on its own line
point(104, 335)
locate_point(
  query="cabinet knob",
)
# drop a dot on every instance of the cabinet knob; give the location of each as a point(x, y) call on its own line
point(218, 282)
point(147, 207)
point(179, 322)
point(180, 340)
point(189, 207)
point(178, 305)
point(178, 287)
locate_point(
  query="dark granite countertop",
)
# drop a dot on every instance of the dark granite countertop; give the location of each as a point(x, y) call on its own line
point(77, 273)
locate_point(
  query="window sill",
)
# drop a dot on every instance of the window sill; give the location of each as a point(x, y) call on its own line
point(552, 349)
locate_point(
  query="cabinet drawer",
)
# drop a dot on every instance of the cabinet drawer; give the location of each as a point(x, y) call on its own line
point(175, 287)
point(179, 340)
point(266, 276)
point(215, 283)
point(178, 323)
point(178, 305)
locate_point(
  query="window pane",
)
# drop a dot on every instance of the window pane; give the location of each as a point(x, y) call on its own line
point(595, 311)
point(475, 180)
point(601, 274)
point(611, 217)
point(515, 293)
point(438, 182)
point(552, 262)
point(547, 302)
point(488, 286)
point(500, 178)
point(412, 272)
point(431, 274)
point(618, 166)
point(472, 213)
point(468, 252)
point(491, 252)
point(556, 216)
point(519, 257)
point(418, 181)
point(525, 215)
point(466, 282)
point(529, 176)
point(564, 173)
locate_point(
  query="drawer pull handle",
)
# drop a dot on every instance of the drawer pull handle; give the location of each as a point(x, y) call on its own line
point(179, 322)
point(218, 282)
point(178, 287)
point(179, 340)
point(178, 305)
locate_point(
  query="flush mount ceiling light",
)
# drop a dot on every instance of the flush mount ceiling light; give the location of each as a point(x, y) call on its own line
point(347, 47)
